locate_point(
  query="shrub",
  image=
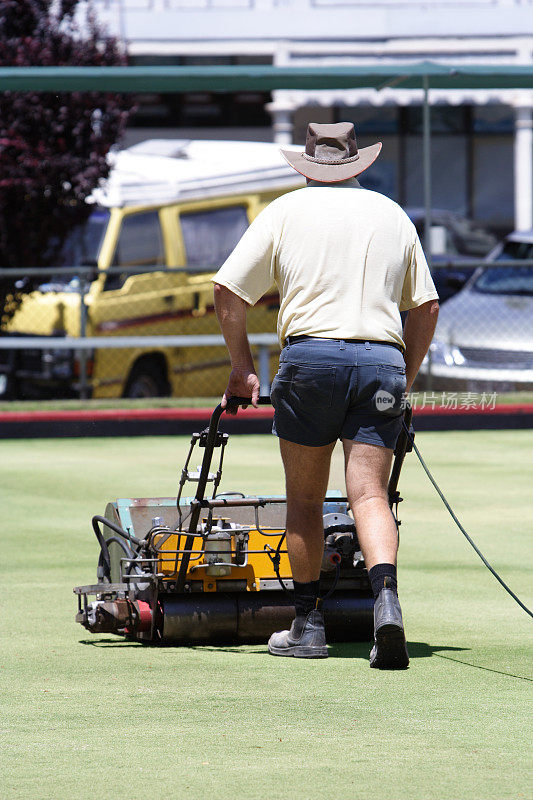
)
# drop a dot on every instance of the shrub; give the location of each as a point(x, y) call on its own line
point(53, 147)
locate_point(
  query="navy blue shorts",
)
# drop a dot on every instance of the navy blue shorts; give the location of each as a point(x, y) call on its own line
point(328, 389)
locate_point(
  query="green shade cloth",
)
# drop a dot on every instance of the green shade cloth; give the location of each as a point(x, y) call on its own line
point(263, 78)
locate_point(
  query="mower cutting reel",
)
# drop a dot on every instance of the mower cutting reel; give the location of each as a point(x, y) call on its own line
point(216, 570)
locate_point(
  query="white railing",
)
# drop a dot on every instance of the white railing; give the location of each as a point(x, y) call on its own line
point(127, 6)
point(261, 342)
point(177, 5)
point(198, 5)
point(432, 4)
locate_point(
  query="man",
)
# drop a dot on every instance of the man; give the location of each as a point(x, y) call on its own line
point(346, 262)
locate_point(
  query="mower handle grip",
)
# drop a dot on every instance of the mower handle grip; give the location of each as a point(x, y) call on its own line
point(235, 402)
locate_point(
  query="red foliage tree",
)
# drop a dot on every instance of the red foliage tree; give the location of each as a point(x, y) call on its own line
point(53, 147)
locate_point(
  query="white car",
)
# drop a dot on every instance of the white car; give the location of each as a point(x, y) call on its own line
point(484, 336)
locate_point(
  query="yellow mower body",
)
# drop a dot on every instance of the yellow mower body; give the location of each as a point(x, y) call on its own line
point(257, 570)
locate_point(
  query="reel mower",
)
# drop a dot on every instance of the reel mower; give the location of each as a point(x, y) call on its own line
point(215, 570)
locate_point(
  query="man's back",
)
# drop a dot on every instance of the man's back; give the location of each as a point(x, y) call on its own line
point(346, 261)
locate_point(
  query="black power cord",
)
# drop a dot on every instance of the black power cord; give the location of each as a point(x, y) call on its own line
point(102, 557)
point(465, 534)
point(276, 560)
point(275, 563)
point(104, 562)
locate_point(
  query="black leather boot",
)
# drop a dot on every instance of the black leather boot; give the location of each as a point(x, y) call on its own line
point(306, 638)
point(390, 649)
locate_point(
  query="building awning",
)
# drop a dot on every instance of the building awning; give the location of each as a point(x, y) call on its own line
point(265, 78)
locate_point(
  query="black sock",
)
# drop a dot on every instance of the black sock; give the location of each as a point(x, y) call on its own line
point(383, 575)
point(305, 597)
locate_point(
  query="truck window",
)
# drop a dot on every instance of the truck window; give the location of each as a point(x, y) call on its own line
point(80, 249)
point(210, 236)
point(140, 244)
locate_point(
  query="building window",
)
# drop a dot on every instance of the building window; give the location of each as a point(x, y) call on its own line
point(448, 173)
point(493, 119)
point(493, 188)
point(382, 176)
point(202, 109)
point(444, 119)
point(369, 119)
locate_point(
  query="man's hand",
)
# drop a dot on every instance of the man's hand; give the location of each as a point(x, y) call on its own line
point(241, 383)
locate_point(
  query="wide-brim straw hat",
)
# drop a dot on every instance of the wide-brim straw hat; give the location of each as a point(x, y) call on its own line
point(331, 153)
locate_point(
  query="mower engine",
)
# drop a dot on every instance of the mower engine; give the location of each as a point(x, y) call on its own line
point(197, 570)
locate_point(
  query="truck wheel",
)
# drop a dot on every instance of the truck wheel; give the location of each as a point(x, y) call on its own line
point(147, 379)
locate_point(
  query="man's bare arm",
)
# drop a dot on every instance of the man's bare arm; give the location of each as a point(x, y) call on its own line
point(231, 313)
point(417, 334)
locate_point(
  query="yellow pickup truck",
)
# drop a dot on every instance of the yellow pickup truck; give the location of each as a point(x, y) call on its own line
point(167, 203)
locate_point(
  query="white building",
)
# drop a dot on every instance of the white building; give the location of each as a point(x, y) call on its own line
point(480, 138)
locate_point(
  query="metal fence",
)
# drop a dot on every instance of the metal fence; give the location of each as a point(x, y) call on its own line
point(122, 332)
point(484, 338)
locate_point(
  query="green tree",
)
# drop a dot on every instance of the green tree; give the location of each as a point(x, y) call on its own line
point(53, 147)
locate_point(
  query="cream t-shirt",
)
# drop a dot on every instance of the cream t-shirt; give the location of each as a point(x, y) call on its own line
point(345, 260)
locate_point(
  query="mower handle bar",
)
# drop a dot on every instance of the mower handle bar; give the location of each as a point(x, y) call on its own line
point(198, 503)
point(235, 402)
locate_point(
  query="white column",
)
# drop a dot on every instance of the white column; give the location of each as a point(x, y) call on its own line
point(281, 109)
point(281, 114)
point(523, 168)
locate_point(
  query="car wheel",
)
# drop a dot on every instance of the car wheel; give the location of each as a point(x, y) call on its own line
point(147, 380)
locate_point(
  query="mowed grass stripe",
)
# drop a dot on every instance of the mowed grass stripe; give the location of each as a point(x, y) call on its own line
point(93, 716)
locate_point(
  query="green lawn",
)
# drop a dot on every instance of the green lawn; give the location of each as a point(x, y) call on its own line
point(92, 716)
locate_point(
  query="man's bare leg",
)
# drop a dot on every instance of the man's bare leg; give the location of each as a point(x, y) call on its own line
point(306, 479)
point(367, 469)
point(367, 475)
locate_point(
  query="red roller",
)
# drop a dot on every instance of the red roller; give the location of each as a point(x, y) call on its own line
point(145, 616)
